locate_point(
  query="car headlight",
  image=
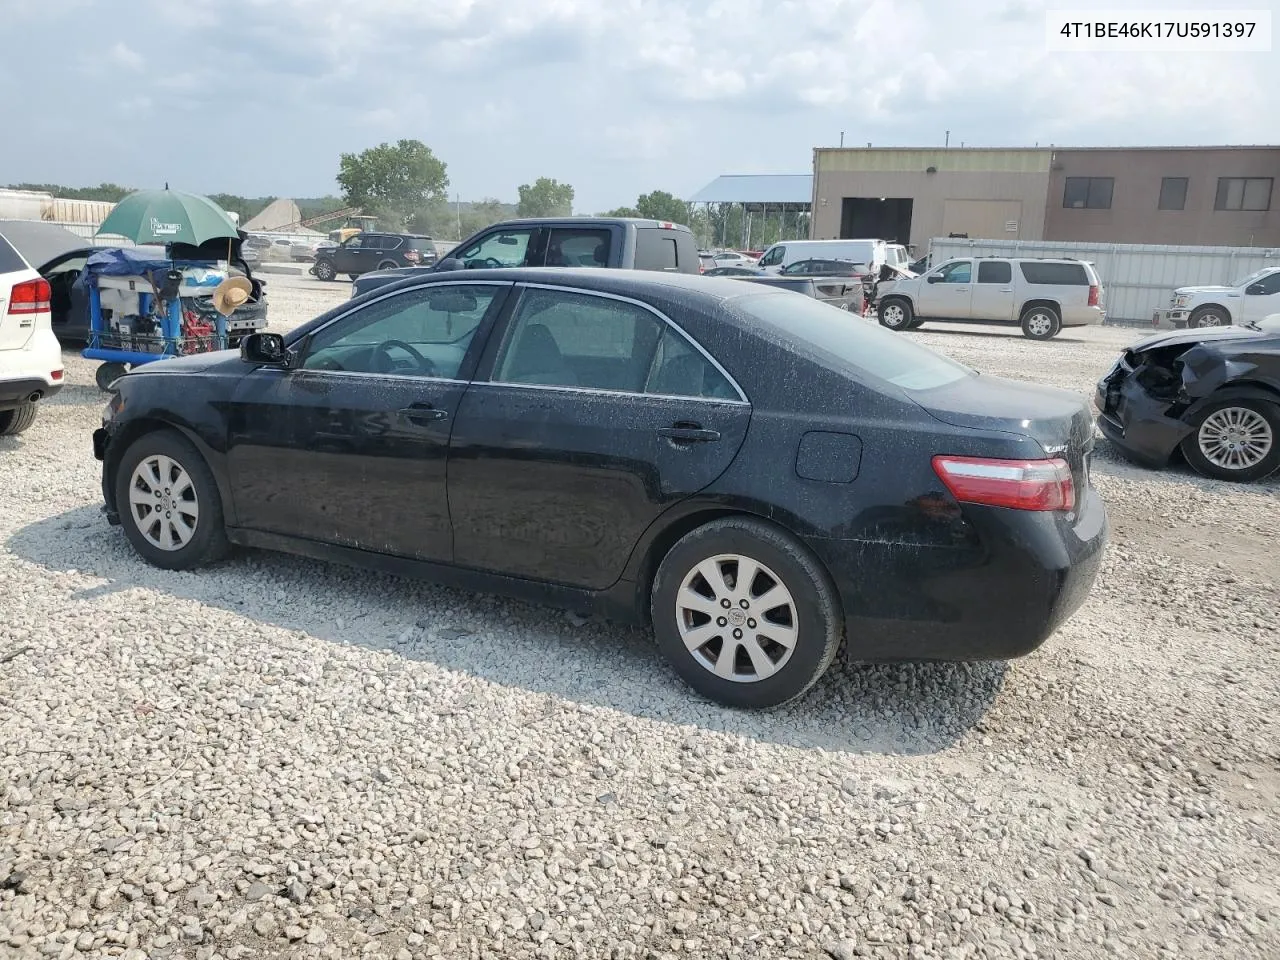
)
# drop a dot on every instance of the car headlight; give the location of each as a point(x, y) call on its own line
point(1180, 300)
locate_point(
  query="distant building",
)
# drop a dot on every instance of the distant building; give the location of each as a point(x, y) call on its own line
point(1220, 196)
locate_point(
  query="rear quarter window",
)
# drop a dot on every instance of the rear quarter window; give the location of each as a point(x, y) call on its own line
point(10, 262)
point(658, 250)
point(1055, 274)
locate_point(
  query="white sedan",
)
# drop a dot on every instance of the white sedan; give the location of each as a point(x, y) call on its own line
point(731, 258)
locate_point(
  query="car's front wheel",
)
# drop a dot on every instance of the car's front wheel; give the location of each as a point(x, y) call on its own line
point(324, 270)
point(895, 314)
point(18, 419)
point(169, 503)
point(1235, 440)
point(1210, 317)
point(745, 614)
point(388, 265)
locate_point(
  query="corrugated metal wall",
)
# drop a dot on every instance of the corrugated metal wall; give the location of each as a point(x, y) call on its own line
point(1137, 278)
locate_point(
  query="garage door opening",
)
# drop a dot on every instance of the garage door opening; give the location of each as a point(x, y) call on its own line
point(876, 218)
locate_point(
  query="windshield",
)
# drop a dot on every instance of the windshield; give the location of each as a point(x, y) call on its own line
point(840, 341)
point(1253, 277)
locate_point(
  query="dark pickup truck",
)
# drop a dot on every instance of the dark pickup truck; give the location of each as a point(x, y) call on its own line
point(620, 243)
point(843, 292)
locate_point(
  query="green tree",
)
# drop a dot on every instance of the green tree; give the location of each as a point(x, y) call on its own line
point(545, 198)
point(394, 182)
point(110, 192)
point(660, 205)
point(621, 212)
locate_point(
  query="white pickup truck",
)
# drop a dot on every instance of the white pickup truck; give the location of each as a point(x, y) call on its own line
point(1249, 300)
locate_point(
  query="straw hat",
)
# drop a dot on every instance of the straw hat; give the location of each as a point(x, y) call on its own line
point(230, 294)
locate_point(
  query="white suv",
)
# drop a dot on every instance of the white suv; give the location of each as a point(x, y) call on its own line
point(1041, 296)
point(30, 358)
point(1245, 301)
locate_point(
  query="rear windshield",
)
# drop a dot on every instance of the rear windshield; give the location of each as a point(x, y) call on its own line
point(837, 339)
point(10, 262)
point(1055, 274)
point(425, 244)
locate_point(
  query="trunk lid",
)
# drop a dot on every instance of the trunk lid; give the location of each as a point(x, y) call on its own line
point(1058, 420)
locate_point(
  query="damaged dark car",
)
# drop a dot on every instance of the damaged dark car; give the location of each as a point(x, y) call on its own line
point(1211, 397)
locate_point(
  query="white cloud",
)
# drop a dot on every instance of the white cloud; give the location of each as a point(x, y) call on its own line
point(616, 97)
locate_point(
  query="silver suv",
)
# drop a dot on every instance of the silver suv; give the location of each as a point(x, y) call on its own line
point(1042, 296)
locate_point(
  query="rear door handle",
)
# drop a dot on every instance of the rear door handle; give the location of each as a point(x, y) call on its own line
point(423, 413)
point(688, 433)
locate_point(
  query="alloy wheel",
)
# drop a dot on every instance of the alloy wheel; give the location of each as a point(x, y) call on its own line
point(163, 503)
point(737, 618)
point(1235, 438)
point(1039, 324)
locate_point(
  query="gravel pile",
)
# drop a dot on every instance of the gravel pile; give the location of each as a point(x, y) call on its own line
point(282, 758)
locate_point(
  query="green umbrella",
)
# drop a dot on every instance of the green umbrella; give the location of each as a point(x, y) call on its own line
point(168, 216)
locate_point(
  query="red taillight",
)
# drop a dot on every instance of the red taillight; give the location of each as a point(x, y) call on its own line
point(412, 256)
point(1017, 484)
point(55, 375)
point(30, 296)
point(1095, 294)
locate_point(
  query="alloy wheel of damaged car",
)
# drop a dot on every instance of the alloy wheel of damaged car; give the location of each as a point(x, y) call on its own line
point(745, 614)
point(325, 270)
point(169, 503)
point(896, 315)
point(1235, 440)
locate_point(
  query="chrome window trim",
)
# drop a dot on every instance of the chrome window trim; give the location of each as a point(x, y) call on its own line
point(662, 319)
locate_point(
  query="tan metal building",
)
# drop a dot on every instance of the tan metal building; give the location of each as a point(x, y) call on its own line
point(1169, 195)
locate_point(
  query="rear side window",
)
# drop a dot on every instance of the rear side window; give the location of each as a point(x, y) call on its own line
point(681, 371)
point(577, 247)
point(995, 271)
point(391, 243)
point(10, 262)
point(656, 250)
point(1055, 274)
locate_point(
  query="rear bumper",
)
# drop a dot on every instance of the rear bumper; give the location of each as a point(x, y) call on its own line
point(1000, 594)
point(15, 392)
point(1084, 317)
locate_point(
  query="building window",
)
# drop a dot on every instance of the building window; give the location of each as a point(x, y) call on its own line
point(1173, 193)
point(1088, 193)
point(1243, 193)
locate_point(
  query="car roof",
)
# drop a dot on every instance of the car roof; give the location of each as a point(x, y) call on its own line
point(40, 243)
point(590, 221)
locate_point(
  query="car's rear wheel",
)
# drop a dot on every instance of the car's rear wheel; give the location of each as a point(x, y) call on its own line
point(1040, 323)
point(1235, 440)
point(896, 314)
point(18, 419)
point(169, 503)
point(745, 614)
point(324, 270)
point(1210, 317)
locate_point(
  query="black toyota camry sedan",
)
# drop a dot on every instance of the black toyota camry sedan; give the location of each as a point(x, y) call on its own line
point(758, 475)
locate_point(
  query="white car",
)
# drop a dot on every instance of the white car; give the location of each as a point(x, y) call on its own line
point(731, 258)
point(30, 357)
point(1248, 300)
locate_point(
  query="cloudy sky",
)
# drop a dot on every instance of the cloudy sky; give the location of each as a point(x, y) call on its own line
point(617, 97)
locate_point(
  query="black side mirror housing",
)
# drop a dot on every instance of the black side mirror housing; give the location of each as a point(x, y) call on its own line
point(267, 349)
point(450, 263)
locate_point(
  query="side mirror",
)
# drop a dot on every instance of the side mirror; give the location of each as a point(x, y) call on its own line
point(451, 263)
point(265, 348)
point(935, 278)
point(1255, 290)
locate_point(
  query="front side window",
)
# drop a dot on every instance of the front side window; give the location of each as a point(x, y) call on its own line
point(564, 339)
point(1266, 286)
point(354, 243)
point(506, 248)
point(773, 257)
point(995, 271)
point(1088, 193)
point(578, 248)
point(959, 272)
point(422, 333)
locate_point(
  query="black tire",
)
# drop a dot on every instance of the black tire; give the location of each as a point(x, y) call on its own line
point(1040, 323)
point(388, 265)
point(814, 612)
point(1261, 416)
point(916, 323)
point(895, 314)
point(353, 277)
point(324, 270)
point(208, 541)
point(1210, 316)
point(13, 422)
point(107, 374)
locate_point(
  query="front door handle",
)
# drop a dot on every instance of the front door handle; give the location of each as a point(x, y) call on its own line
point(688, 433)
point(423, 413)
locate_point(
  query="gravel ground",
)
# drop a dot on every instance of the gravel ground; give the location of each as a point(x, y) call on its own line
point(283, 758)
